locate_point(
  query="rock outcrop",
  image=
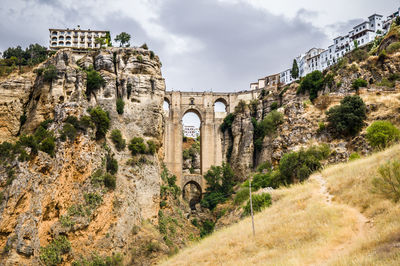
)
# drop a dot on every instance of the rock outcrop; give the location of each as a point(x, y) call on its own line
point(44, 189)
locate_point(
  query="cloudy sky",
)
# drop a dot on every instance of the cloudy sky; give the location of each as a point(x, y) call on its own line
point(219, 45)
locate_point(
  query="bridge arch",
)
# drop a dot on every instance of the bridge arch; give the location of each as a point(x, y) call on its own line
point(202, 104)
point(192, 193)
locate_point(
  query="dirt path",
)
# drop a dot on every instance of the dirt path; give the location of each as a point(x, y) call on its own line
point(361, 230)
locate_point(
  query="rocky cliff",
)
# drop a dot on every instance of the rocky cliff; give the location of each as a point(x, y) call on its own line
point(42, 198)
point(305, 122)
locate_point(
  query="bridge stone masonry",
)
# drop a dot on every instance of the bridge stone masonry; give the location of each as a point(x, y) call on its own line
point(211, 150)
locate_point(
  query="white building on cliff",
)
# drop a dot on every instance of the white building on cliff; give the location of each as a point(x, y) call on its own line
point(77, 38)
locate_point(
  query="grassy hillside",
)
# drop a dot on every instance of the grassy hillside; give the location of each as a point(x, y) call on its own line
point(305, 226)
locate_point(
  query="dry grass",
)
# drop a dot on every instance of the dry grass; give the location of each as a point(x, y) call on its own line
point(300, 228)
point(352, 184)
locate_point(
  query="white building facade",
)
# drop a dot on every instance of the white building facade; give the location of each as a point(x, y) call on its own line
point(191, 131)
point(77, 38)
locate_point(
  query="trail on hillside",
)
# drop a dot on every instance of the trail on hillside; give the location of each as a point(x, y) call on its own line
point(362, 222)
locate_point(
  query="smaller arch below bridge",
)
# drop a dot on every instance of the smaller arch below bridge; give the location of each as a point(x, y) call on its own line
point(192, 190)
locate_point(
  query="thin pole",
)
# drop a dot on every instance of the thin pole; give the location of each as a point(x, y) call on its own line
point(251, 208)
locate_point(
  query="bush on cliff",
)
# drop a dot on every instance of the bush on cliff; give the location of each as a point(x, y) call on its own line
point(49, 73)
point(52, 253)
point(120, 106)
point(137, 146)
point(347, 119)
point(118, 140)
point(382, 134)
point(358, 83)
point(101, 120)
point(94, 81)
point(111, 165)
point(266, 127)
point(312, 83)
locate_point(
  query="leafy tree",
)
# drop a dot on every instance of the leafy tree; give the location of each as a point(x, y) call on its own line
point(312, 83)
point(101, 120)
point(94, 81)
point(144, 46)
point(123, 38)
point(220, 181)
point(382, 134)
point(358, 83)
point(295, 69)
point(101, 41)
point(347, 119)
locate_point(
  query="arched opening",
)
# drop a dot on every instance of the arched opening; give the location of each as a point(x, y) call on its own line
point(53, 44)
point(220, 108)
point(166, 105)
point(54, 39)
point(192, 193)
point(60, 43)
point(191, 142)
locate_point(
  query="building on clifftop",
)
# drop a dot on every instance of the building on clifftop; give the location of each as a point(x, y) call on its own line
point(78, 39)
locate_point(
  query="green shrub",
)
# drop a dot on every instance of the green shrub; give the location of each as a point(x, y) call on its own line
point(382, 57)
point(170, 183)
point(96, 260)
point(92, 200)
point(111, 165)
point(109, 181)
point(66, 221)
point(152, 55)
point(312, 83)
point(101, 120)
point(86, 122)
point(48, 145)
point(227, 123)
point(274, 106)
point(347, 119)
point(94, 81)
point(264, 166)
point(151, 147)
point(297, 166)
point(137, 146)
point(50, 73)
point(260, 202)
point(139, 58)
point(68, 131)
point(144, 46)
point(241, 196)
point(220, 181)
point(358, 83)
point(117, 139)
point(393, 47)
point(207, 228)
point(321, 127)
point(52, 253)
point(266, 127)
point(120, 106)
point(241, 107)
point(388, 183)
point(386, 83)
point(354, 156)
point(381, 134)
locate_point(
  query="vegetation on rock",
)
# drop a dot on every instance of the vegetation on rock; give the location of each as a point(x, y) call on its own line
point(347, 119)
point(381, 134)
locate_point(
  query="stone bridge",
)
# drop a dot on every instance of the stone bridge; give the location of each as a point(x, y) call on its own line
point(201, 103)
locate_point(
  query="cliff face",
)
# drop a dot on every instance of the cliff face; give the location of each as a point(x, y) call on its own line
point(302, 119)
point(43, 190)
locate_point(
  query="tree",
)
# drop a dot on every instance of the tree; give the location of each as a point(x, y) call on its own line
point(312, 83)
point(295, 69)
point(101, 41)
point(347, 119)
point(382, 134)
point(123, 39)
point(358, 83)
